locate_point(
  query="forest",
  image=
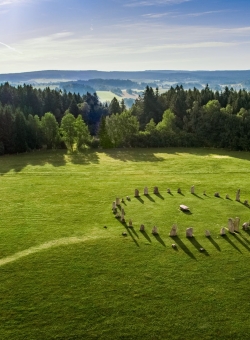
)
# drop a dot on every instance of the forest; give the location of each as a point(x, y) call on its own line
point(32, 119)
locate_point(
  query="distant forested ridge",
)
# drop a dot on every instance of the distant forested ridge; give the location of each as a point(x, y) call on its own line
point(32, 118)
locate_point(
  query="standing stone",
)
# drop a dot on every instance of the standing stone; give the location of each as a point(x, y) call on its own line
point(204, 193)
point(117, 201)
point(179, 190)
point(137, 193)
point(173, 231)
point(192, 189)
point(122, 217)
point(245, 226)
point(227, 197)
point(237, 195)
point(237, 224)
point(231, 225)
point(142, 227)
point(189, 232)
point(168, 191)
point(207, 233)
point(156, 190)
point(223, 231)
point(146, 191)
point(130, 223)
point(128, 198)
point(113, 205)
point(155, 230)
point(246, 203)
point(122, 211)
point(216, 194)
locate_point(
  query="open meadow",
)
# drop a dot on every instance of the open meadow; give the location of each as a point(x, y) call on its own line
point(64, 276)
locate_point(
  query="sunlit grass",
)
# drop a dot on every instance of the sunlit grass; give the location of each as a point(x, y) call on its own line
point(68, 277)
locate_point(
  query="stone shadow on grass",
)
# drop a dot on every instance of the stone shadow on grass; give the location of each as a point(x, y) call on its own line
point(247, 206)
point(144, 233)
point(197, 245)
point(133, 231)
point(159, 239)
point(139, 199)
point(225, 237)
point(214, 243)
point(201, 198)
point(131, 234)
point(183, 247)
point(150, 198)
point(241, 242)
point(244, 238)
point(160, 196)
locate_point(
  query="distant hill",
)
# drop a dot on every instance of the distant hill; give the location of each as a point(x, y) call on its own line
point(118, 81)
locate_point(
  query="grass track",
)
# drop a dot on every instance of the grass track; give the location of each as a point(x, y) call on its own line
point(109, 287)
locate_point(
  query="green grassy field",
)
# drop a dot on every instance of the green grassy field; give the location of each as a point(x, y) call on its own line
point(64, 276)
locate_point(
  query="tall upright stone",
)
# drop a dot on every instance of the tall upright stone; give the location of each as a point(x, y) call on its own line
point(122, 211)
point(237, 224)
point(142, 227)
point(146, 191)
point(207, 233)
point(223, 231)
point(189, 232)
point(245, 226)
point(113, 205)
point(173, 231)
point(179, 190)
point(122, 217)
point(230, 225)
point(237, 195)
point(155, 230)
point(192, 189)
point(156, 190)
point(130, 223)
point(137, 193)
point(117, 201)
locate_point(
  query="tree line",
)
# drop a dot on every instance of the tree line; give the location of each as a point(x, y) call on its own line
point(32, 118)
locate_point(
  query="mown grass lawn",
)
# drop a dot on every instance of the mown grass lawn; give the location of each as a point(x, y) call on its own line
point(65, 276)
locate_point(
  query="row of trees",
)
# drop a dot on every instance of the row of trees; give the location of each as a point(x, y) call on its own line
point(21, 134)
point(177, 117)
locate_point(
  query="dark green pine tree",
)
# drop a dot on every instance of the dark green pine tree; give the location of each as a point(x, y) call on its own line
point(105, 141)
point(20, 132)
point(114, 106)
point(73, 108)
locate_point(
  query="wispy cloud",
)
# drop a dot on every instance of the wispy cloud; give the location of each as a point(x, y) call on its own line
point(177, 14)
point(136, 3)
point(10, 48)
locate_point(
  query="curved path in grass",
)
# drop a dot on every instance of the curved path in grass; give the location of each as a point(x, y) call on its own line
point(51, 244)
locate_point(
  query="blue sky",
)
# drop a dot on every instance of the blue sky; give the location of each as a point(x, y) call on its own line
point(124, 35)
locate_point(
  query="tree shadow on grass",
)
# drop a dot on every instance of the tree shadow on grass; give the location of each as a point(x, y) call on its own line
point(159, 239)
point(84, 157)
point(144, 233)
point(214, 243)
point(197, 245)
point(150, 198)
point(139, 199)
point(160, 196)
point(201, 198)
point(183, 247)
point(17, 163)
point(134, 155)
point(241, 242)
point(225, 237)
